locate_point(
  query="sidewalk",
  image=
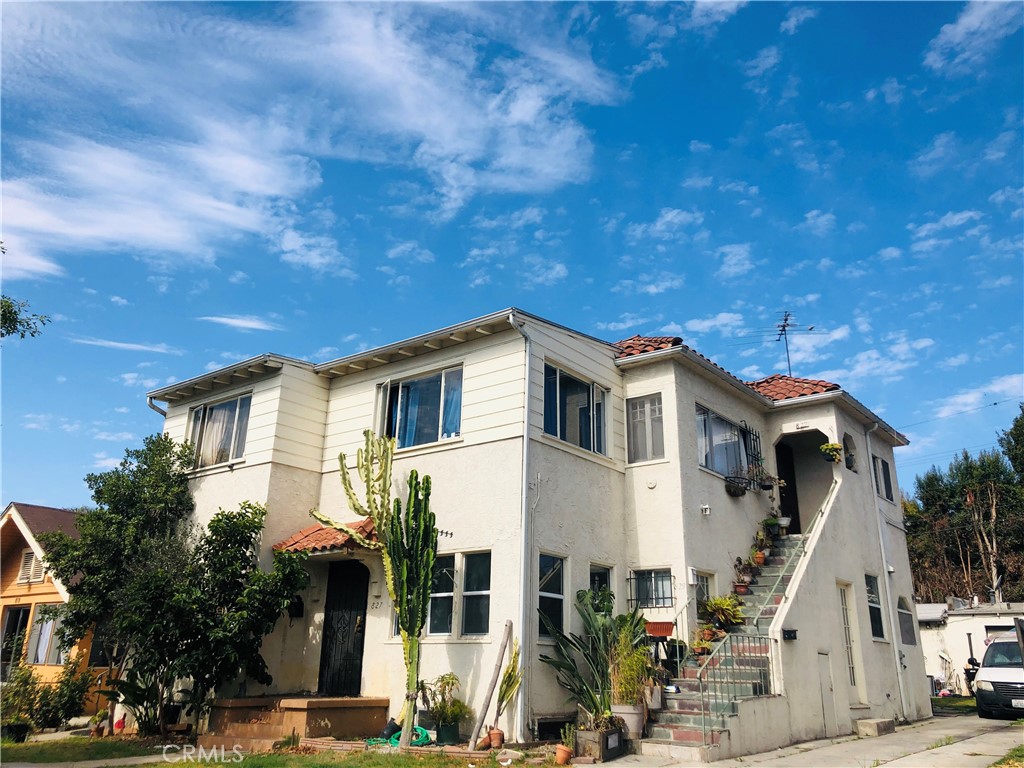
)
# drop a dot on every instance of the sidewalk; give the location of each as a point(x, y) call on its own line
point(964, 741)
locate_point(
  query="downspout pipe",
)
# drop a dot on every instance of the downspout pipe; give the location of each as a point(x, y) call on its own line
point(893, 617)
point(155, 407)
point(525, 548)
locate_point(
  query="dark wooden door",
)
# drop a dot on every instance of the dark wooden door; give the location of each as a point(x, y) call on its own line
point(341, 654)
point(789, 506)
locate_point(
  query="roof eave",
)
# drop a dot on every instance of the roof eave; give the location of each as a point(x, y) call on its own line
point(229, 375)
point(841, 395)
point(20, 523)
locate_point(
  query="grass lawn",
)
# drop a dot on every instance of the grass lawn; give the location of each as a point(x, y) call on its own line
point(1013, 759)
point(961, 705)
point(73, 749)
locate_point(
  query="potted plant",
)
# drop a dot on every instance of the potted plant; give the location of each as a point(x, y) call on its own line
point(723, 610)
point(630, 668)
point(736, 485)
point(511, 679)
point(600, 736)
point(564, 751)
point(832, 452)
point(444, 707)
point(743, 576)
point(97, 723)
point(698, 645)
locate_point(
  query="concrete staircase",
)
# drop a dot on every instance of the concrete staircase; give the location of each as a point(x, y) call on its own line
point(706, 701)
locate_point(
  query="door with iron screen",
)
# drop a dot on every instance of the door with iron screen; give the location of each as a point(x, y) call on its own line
point(341, 653)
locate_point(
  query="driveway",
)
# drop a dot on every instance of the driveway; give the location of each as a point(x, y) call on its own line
point(963, 741)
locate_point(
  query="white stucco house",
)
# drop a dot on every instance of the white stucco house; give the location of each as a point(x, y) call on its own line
point(954, 631)
point(560, 461)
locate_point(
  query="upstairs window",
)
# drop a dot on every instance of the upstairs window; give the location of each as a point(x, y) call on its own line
point(883, 479)
point(219, 430)
point(907, 622)
point(574, 410)
point(646, 434)
point(31, 568)
point(424, 410)
point(722, 446)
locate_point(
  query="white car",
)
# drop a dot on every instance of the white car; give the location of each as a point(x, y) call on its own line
point(999, 684)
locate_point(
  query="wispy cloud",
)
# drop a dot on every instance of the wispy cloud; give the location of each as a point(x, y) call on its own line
point(524, 217)
point(650, 284)
point(726, 323)
point(890, 90)
point(950, 220)
point(133, 379)
point(1009, 386)
point(625, 322)
point(128, 346)
point(758, 68)
point(697, 182)
point(889, 253)
point(103, 462)
point(707, 17)
point(670, 225)
point(796, 17)
point(538, 270)
point(817, 223)
point(942, 150)
point(115, 437)
point(736, 260)
point(964, 46)
point(410, 251)
point(699, 146)
point(242, 322)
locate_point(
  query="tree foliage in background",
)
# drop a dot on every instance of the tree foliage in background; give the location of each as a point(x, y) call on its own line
point(965, 526)
point(15, 319)
point(168, 602)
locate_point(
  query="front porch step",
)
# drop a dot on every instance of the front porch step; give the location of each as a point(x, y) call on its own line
point(675, 751)
point(685, 736)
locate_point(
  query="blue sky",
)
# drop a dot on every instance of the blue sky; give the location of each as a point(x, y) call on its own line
point(187, 185)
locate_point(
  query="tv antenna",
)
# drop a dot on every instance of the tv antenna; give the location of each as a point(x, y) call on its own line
point(783, 329)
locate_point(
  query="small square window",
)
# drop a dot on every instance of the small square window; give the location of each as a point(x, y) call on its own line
point(651, 589)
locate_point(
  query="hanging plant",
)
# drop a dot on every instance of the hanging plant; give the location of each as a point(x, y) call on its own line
point(832, 451)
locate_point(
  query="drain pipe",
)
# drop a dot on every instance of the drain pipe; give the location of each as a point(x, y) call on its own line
point(893, 617)
point(525, 542)
point(155, 407)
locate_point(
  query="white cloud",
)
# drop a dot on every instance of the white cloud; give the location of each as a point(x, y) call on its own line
point(127, 346)
point(668, 226)
point(996, 282)
point(707, 16)
point(699, 146)
point(929, 245)
point(625, 322)
point(119, 301)
point(741, 187)
point(890, 89)
point(889, 253)
point(698, 182)
point(795, 140)
point(948, 221)
point(325, 353)
point(115, 437)
point(955, 362)
point(515, 220)
point(962, 47)
point(735, 260)
point(138, 380)
point(759, 67)
point(541, 271)
point(817, 223)
point(1007, 195)
point(797, 16)
point(122, 409)
point(238, 277)
point(811, 348)
point(103, 462)
point(943, 150)
point(726, 323)
point(673, 329)
point(650, 284)
point(242, 322)
point(1010, 386)
point(411, 251)
point(1000, 146)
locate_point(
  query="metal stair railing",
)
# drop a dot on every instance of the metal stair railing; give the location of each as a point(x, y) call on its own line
point(795, 555)
point(739, 666)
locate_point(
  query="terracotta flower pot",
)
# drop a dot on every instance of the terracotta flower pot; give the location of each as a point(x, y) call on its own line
point(758, 558)
point(497, 738)
point(562, 754)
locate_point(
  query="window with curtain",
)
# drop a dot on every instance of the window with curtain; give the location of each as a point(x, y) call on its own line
point(426, 409)
point(722, 446)
point(552, 591)
point(574, 410)
point(43, 647)
point(645, 438)
point(219, 430)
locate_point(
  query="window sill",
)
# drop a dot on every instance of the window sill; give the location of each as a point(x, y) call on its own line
point(214, 469)
point(445, 640)
point(882, 640)
point(440, 445)
point(648, 463)
point(575, 450)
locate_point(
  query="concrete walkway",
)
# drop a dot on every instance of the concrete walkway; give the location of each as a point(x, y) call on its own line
point(964, 741)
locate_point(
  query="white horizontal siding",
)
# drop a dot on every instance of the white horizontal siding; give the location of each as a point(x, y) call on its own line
point(301, 416)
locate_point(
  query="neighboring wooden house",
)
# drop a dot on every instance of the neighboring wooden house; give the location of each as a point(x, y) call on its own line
point(560, 462)
point(26, 586)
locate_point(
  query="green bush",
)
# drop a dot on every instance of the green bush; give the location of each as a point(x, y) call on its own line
point(56, 704)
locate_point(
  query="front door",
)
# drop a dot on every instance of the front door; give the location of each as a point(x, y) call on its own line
point(828, 701)
point(788, 504)
point(341, 654)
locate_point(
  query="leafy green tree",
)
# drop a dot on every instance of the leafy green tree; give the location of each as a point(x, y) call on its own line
point(15, 320)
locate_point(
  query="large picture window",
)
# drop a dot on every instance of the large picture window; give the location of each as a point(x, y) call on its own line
point(424, 410)
point(722, 446)
point(645, 437)
point(476, 593)
point(651, 589)
point(219, 430)
point(574, 410)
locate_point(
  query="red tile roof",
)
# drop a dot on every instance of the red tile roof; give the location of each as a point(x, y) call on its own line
point(320, 538)
point(46, 519)
point(637, 345)
point(779, 387)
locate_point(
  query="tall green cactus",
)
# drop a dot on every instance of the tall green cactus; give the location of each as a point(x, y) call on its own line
point(407, 543)
point(412, 546)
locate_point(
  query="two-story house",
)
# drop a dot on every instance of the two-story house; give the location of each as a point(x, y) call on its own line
point(560, 462)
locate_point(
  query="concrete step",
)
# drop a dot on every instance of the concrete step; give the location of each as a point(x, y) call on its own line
point(684, 736)
point(675, 751)
point(253, 730)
